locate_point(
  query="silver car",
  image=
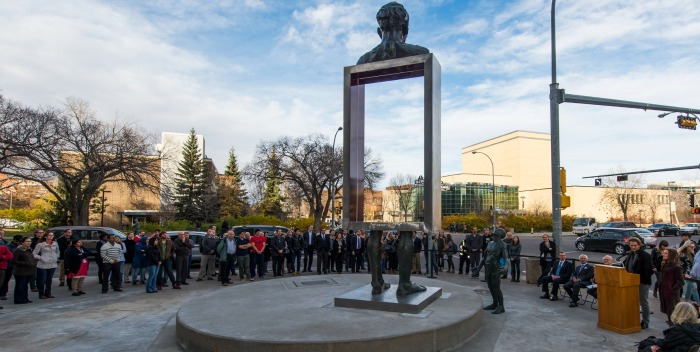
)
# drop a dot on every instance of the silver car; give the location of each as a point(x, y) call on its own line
point(648, 237)
point(196, 237)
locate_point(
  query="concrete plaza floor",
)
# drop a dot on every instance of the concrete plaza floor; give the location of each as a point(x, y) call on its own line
point(136, 321)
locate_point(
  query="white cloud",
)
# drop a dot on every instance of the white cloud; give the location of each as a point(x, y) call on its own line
point(176, 65)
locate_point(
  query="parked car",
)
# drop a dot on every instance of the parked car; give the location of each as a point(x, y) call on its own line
point(663, 229)
point(647, 236)
point(606, 239)
point(619, 224)
point(196, 237)
point(690, 228)
point(583, 226)
point(270, 229)
point(89, 235)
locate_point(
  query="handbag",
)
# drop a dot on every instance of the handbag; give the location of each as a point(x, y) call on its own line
point(645, 344)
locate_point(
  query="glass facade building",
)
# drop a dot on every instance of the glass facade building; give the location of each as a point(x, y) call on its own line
point(465, 198)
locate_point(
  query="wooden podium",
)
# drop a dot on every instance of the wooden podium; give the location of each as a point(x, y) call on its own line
point(618, 299)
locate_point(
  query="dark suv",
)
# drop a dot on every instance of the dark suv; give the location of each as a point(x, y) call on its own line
point(607, 240)
point(664, 229)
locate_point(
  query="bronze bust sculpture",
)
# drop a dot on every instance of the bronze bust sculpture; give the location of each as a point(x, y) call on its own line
point(393, 29)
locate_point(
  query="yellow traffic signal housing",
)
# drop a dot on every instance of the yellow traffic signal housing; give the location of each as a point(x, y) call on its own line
point(686, 122)
point(565, 201)
point(562, 179)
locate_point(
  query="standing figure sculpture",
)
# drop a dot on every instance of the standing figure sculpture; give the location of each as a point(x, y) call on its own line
point(405, 253)
point(496, 263)
point(393, 30)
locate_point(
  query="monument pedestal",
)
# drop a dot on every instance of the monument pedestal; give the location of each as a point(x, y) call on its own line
point(298, 314)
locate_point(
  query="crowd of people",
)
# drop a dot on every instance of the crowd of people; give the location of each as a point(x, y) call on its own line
point(157, 261)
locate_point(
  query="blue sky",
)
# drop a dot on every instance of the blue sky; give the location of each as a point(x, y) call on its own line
point(245, 70)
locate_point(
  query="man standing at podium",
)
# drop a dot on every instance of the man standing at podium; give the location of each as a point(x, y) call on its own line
point(639, 262)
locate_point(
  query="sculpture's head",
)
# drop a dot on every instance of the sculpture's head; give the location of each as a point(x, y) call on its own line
point(499, 234)
point(393, 16)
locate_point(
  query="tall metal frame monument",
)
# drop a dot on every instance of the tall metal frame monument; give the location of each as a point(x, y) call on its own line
point(356, 77)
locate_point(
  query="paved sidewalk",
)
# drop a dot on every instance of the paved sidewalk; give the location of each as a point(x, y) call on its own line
point(136, 321)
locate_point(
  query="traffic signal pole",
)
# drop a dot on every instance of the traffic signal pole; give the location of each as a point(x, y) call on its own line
point(558, 96)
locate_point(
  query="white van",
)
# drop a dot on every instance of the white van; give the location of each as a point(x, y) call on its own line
point(583, 226)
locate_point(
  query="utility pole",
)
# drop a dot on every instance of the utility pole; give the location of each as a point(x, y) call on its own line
point(558, 96)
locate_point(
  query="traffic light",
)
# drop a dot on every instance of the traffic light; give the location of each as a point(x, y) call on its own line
point(692, 200)
point(695, 210)
point(598, 182)
point(565, 200)
point(562, 179)
point(621, 178)
point(686, 122)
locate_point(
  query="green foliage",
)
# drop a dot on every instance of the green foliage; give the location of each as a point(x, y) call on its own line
point(29, 218)
point(471, 219)
point(271, 203)
point(255, 219)
point(538, 223)
point(149, 227)
point(301, 223)
point(233, 198)
point(190, 182)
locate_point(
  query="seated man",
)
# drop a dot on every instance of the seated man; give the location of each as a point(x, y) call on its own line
point(607, 260)
point(583, 274)
point(559, 275)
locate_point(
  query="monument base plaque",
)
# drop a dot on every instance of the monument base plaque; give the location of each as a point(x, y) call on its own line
point(388, 301)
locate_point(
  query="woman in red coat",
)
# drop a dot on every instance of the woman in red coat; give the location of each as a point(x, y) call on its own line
point(670, 282)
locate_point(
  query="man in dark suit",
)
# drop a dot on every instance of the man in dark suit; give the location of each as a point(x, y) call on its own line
point(356, 247)
point(639, 262)
point(323, 247)
point(417, 247)
point(308, 246)
point(559, 275)
point(583, 274)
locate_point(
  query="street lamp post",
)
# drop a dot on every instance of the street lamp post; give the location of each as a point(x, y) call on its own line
point(493, 186)
point(670, 212)
point(11, 192)
point(333, 184)
point(102, 208)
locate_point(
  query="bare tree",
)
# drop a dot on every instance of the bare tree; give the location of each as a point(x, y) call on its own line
point(622, 196)
point(311, 165)
point(73, 146)
point(651, 201)
point(401, 187)
point(537, 207)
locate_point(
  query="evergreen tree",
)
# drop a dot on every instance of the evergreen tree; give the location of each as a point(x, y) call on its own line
point(271, 203)
point(190, 182)
point(233, 198)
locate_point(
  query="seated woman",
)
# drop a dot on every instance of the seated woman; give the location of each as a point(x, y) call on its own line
point(683, 334)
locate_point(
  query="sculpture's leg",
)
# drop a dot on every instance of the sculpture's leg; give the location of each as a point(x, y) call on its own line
point(405, 260)
point(374, 255)
point(496, 293)
point(489, 283)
